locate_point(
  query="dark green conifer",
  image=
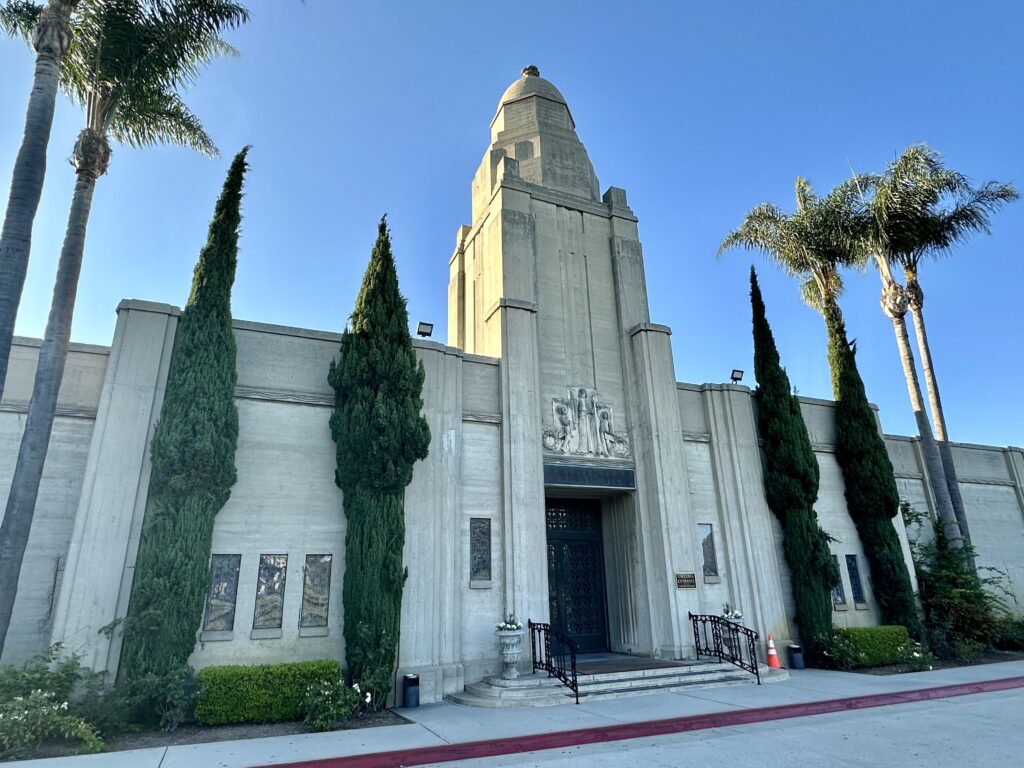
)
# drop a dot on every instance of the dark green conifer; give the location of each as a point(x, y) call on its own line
point(791, 487)
point(193, 455)
point(872, 498)
point(380, 434)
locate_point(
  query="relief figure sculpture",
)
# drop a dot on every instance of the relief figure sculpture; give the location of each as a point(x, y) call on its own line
point(584, 426)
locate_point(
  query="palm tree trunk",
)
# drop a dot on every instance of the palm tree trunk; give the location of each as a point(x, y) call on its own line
point(21, 503)
point(933, 462)
point(935, 402)
point(50, 38)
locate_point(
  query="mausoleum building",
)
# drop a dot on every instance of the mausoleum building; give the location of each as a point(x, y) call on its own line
point(571, 478)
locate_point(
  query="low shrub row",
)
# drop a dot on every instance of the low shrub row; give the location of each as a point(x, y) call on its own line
point(857, 647)
point(267, 693)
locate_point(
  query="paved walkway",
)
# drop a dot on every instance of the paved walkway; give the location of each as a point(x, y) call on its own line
point(445, 725)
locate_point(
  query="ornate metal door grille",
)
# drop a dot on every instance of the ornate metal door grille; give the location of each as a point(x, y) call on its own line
point(576, 572)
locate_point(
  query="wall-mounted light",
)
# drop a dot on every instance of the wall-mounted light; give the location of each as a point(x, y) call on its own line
point(424, 329)
point(737, 376)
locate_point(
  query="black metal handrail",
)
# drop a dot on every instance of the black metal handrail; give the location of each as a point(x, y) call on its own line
point(729, 641)
point(560, 662)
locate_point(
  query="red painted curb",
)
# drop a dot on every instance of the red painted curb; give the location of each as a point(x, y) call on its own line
point(493, 747)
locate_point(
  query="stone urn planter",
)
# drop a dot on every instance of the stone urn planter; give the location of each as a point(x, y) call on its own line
point(511, 642)
point(510, 639)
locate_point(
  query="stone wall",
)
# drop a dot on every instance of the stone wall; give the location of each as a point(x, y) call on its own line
point(285, 502)
point(992, 486)
point(43, 567)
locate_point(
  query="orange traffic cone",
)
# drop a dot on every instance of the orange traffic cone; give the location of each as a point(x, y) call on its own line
point(773, 656)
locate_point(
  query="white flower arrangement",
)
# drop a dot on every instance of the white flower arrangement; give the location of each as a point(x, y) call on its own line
point(730, 613)
point(510, 624)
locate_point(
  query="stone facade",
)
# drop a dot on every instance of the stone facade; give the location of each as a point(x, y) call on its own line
point(555, 391)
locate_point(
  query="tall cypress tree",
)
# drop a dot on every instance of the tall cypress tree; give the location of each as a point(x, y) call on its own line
point(872, 498)
point(193, 455)
point(791, 486)
point(823, 235)
point(380, 434)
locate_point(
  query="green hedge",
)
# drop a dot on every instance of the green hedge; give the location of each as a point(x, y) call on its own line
point(875, 646)
point(269, 693)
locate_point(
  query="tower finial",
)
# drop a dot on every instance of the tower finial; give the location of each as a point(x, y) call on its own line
point(531, 71)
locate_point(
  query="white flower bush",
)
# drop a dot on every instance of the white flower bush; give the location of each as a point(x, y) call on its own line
point(27, 721)
point(330, 702)
point(510, 624)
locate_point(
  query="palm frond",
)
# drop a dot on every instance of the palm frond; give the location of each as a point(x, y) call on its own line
point(18, 17)
point(130, 58)
point(824, 235)
point(810, 294)
point(159, 117)
point(921, 208)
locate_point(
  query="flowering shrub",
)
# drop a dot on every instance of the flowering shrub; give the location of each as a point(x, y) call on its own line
point(330, 702)
point(914, 658)
point(510, 624)
point(877, 647)
point(842, 652)
point(25, 721)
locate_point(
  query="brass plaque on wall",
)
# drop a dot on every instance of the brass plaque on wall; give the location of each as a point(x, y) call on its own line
point(686, 581)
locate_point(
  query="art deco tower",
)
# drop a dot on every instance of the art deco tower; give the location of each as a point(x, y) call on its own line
point(549, 278)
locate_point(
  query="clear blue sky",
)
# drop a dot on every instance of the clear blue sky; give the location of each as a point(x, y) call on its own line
point(699, 110)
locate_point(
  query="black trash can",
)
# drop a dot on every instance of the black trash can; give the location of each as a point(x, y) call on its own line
point(796, 657)
point(411, 691)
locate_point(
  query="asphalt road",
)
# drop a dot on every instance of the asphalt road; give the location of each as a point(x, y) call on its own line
point(985, 730)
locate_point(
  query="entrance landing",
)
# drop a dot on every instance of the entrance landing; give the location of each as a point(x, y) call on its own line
point(602, 663)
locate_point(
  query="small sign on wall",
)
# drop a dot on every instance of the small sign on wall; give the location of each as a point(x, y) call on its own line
point(686, 581)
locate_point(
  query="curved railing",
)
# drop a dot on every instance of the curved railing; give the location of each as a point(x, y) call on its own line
point(729, 641)
point(555, 654)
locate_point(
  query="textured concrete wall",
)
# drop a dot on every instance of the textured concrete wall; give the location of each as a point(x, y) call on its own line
point(285, 500)
point(109, 513)
point(45, 558)
point(992, 486)
point(726, 487)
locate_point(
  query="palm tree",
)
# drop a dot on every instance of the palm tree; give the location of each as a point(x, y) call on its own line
point(919, 208)
point(126, 61)
point(892, 228)
point(925, 210)
point(49, 31)
point(813, 244)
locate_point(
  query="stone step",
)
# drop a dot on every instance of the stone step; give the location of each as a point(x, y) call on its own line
point(484, 695)
point(596, 694)
point(655, 681)
point(689, 669)
point(500, 692)
point(539, 690)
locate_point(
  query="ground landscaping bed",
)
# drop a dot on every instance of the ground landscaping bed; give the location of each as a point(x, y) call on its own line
point(992, 657)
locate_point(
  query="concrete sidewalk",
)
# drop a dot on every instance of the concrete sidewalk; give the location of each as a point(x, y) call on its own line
point(437, 725)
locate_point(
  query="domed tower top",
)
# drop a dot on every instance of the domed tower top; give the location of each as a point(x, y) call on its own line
point(532, 84)
point(533, 127)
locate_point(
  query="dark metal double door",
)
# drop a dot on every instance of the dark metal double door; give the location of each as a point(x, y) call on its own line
point(576, 572)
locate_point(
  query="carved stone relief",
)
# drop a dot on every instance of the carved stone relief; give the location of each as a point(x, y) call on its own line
point(584, 426)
